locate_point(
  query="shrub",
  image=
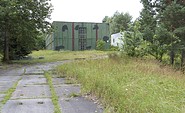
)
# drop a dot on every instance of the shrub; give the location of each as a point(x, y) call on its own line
point(100, 45)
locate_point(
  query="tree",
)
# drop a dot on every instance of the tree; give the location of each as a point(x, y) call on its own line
point(160, 43)
point(173, 17)
point(21, 21)
point(106, 19)
point(148, 20)
point(40, 41)
point(118, 22)
point(134, 45)
point(163, 25)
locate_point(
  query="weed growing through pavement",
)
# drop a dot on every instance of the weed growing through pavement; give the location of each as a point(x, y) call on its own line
point(54, 96)
point(9, 92)
point(72, 95)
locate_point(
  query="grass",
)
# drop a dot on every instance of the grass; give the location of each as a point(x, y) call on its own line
point(72, 95)
point(54, 96)
point(52, 56)
point(8, 94)
point(130, 85)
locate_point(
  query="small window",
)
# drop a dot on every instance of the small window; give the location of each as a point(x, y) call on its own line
point(113, 40)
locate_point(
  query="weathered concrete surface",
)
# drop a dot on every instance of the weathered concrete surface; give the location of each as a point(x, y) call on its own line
point(6, 82)
point(34, 70)
point(13, 72)
point(9, 78)
point(1, 100)
point(58, 81)
point(33, 80)
point(28, 106)
point(67, 90)
point(2, 97)
point(32, 94)
point(78, 105)
point(4, 88)
point(70, 104)
point(36, 91)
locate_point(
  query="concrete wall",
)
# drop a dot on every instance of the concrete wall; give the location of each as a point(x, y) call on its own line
point(67, 35)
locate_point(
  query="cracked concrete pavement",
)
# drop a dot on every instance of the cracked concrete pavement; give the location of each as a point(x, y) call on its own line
point(32, 94)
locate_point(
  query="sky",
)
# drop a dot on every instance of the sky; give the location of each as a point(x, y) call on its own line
point(92, 10)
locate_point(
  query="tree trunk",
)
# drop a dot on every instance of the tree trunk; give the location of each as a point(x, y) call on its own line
point(172, 57)
point(6, 47)
point(182, 58)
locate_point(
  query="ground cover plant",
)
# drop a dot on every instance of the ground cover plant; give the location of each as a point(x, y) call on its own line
point(54, 96)
point(130, 85)
point(43, 56)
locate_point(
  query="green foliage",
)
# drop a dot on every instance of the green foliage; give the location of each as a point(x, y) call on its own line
point(134, 45)
point(21, 22)
point(162, 25)
point(100, 45)
point(54, 96)
point(40, 42)
point(53, 56)
point(106, 19)
point(159, 45)
point(127, 85)
point(114, 48)
point(118, 22)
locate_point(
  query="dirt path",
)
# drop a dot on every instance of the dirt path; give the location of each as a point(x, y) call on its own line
point(32, 93)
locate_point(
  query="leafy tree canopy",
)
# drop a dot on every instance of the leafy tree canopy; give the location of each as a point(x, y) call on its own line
point(21, 22)
point(118, 22)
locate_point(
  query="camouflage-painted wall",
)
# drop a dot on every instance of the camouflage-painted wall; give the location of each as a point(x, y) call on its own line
point(77, 35)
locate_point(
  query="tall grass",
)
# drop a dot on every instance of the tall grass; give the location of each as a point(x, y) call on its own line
point(127, 85)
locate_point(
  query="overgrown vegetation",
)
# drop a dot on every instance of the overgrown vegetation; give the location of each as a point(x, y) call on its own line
point(161, 31)
point(8, 94)
point(21, 24)
point(118, 22)
point(100, 45)
point(134, 44)
point(53, 56)
point(54, 96)
point(130, 85)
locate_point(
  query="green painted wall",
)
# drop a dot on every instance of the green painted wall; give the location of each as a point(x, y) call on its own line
point(66, 35)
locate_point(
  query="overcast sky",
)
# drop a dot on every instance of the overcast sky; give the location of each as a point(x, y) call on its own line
point(92, 10)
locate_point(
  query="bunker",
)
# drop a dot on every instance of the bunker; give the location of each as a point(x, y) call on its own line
point(77, 36)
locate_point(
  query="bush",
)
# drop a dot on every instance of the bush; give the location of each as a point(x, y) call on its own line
point(114, 48)
point(100, 45)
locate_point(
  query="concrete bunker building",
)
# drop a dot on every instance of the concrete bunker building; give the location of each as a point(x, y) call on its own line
point(77, 36)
